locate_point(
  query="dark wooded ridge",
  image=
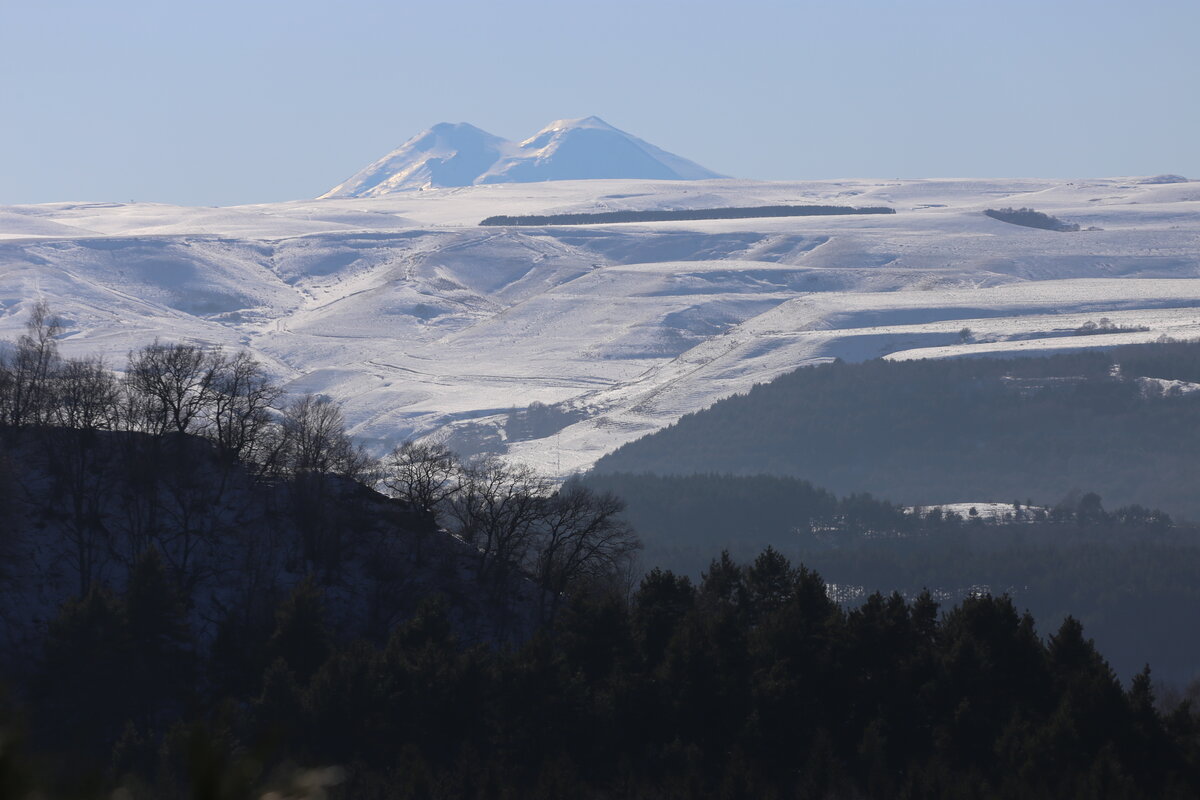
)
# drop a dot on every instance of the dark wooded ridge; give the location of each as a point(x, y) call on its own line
point(945, 431)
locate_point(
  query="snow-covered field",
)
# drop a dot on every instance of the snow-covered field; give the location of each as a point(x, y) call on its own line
point(424, 323)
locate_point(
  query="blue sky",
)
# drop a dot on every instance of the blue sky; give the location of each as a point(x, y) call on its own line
point(221, 102)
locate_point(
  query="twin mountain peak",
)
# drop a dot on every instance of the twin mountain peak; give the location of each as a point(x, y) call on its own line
point(459, 154)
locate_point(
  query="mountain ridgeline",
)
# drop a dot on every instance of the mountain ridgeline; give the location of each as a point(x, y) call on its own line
point(460, 154)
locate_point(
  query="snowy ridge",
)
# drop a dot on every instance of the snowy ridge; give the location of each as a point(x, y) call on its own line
point(449, 155)
point(590, 148)
point(423, 323)
point(445, 155)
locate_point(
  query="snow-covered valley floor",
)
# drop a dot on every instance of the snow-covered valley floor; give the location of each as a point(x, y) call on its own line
point(423, 323)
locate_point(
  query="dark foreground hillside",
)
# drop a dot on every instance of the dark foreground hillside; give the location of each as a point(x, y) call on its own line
point(207, 591)
point(925, 432)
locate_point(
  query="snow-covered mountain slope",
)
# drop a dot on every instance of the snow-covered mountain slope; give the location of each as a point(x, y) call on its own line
point(424, 323)
point(449, 155)
point(589, 148)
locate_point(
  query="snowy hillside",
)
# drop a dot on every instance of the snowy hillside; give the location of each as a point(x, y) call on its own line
point(569, 149)
point(425, 323)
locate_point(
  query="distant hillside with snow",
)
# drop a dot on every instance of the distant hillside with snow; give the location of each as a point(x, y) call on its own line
point(425, 324)
point(460, 154)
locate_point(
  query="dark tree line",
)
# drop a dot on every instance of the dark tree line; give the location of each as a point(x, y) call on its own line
point(665, 215)
point(1106, 325)
point(750, 683)
point(1029, 218)
point(172, 388)
point(175, 454)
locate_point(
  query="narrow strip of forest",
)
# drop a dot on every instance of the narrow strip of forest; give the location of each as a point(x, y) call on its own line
point(682, 215)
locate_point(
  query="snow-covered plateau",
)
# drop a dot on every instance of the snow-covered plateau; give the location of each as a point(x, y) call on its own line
point(424, 323)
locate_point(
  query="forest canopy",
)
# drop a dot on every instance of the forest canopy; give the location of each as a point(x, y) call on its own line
point(945, 431)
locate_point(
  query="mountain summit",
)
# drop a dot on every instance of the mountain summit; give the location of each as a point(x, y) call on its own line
point(569, 149)
point(448, 154)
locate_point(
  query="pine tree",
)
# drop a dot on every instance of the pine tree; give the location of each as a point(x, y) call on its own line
point(301, 639)
point(160, 664)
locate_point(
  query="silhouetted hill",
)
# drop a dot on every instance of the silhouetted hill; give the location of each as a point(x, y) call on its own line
point(81, 508)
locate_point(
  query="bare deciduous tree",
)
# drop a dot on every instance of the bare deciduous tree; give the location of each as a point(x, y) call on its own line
point(497, 508)
point(321, 462)
point(316, 439)
point(86, 396)
point(421, 474)
point(31, 366)
point(177, 380)
point(581, 537)
point(562, 540)
point(7, 384)
point(242, 395)
point(86, 399)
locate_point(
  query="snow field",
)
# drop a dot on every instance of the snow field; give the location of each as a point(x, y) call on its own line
point(422, 323)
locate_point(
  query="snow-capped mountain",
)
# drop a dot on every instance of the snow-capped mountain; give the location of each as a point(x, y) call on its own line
point(568, 149)
point(588, 148)
point(448, 154)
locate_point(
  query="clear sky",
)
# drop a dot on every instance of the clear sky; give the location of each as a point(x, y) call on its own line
point(216, 102)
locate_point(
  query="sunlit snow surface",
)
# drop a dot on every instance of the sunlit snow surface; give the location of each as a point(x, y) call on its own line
point(424, 323)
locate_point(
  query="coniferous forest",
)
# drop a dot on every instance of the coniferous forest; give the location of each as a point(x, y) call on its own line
point(208, 590)
point(1029, 218)
point(1128, 574)
point(1123, 423)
